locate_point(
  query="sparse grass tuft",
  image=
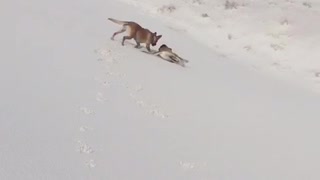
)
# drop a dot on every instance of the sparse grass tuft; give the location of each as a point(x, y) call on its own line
point(307, 4)
point(167, 9)
point(199, 2)
point(204, 15)
point(231, 5)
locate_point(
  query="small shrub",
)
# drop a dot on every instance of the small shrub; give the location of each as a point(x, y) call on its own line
point(199, 2)
point(276, 47)
point(307, 4)
point(231, 5)
point(284, 22)
point(167, 9)
point(248, 48)
point(204, 15)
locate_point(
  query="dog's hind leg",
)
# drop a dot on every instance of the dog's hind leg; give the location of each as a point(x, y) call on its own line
point(174, 58)
point(124, 38)
point(123, 29)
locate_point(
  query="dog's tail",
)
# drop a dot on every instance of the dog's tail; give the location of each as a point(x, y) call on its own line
point(118, 21)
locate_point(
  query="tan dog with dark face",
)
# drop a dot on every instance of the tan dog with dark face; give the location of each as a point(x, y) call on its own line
point(138, 33)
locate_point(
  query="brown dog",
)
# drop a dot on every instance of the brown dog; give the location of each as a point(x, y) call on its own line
point(138, 33)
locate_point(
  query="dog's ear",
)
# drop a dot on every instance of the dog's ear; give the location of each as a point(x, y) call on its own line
point(158, 37)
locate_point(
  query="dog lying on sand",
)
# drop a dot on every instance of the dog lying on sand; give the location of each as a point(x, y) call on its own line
point(166, 53)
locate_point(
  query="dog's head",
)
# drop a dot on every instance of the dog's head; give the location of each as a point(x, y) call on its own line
point(155, 38)
point(164, 47)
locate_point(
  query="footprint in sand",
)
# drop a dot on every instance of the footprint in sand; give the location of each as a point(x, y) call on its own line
point(141, 103)
point(106, 84)
point(91, 163)
point(117, 74)
point(103, 81)
point(84, 148)
point(100, 97)
point(191, 165)
point(150, 109)
point(137, 88)
point(155, 111)
point(86, 110)
point(107, 55)
point(84, 129)
point(108, 60)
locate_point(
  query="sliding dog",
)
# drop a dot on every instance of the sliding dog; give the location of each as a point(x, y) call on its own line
point(166, 53)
